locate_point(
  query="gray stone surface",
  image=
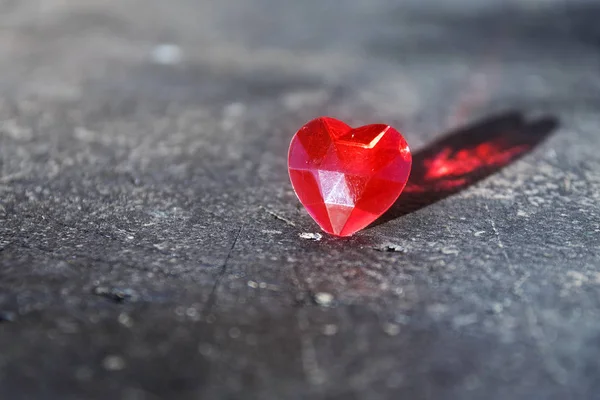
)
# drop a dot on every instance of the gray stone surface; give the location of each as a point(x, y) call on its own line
point(151, 246)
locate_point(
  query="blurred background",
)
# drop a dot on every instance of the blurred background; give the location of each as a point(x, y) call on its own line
point(151, 245)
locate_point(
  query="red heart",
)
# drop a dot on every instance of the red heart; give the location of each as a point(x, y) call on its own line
point(346, 178)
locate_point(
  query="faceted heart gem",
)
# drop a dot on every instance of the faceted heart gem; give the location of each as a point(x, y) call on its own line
point(346, 178)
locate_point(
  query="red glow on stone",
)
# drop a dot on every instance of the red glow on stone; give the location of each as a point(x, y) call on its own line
point(465, 161)
point(346, 178)
point(462, 158)
point(450, 168)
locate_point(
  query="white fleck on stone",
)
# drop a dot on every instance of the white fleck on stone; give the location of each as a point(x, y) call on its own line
point(271, 232)
point(311, 236)
point(479, 233)
point(192, 312)
point(464, 320)
point(449, 250)
point(324, 299)
point(577, 278)
point(391, 329)
point(330, 329)
point(114, 363)
point(234, 110)
point(167, 54)
point(85, 135)
point(125, 320)
point(161, 246)
point(15, 131)
point(252, 284)
point(536, 200)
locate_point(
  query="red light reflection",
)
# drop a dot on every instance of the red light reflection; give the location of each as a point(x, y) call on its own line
point(446, 165)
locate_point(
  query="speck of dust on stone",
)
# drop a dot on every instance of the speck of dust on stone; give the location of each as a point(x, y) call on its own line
point(114, 363)
point(125, 320)
point(167, 54)
point(324, 299)
point(330, 329)
point(391, 329)
point(311, 236)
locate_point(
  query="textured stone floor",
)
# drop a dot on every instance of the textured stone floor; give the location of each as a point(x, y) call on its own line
point(151, 246)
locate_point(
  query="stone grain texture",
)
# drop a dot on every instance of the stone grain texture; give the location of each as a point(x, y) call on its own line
point(151, 246)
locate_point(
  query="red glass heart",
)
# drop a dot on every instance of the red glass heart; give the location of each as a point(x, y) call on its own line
point(346, 178)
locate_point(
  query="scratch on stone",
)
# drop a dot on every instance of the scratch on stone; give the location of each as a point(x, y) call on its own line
point(520, 282)
point(279, 217)
point(500, 244)
point(555, 370)
point(310, 365)
point(213, 293)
